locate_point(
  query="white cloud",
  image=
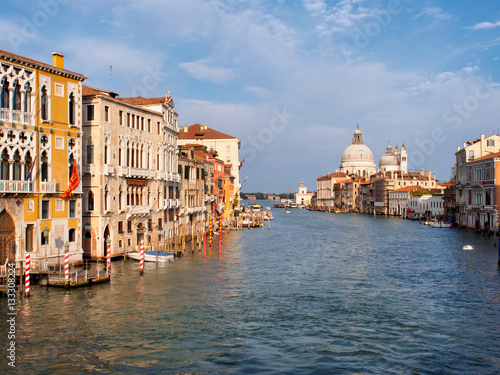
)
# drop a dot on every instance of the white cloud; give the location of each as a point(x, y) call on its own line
point(485, 25)
point(435, 12)
point(315, 7)
point(200, 69)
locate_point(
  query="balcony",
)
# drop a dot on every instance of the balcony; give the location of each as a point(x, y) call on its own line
point(88, 168)
point(109, 169)
point(18, 117)
point(48, 187)
point(15, 187)
point(161, 175)
point(123, 171)
point(139, 172)
point(166, 203)
point(152, 174)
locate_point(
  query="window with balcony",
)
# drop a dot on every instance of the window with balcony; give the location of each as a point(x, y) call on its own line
point(16, 103)
point(90, 151)
point(44, 104)
point(5, 94)
point(27, 99)
point(72, 109)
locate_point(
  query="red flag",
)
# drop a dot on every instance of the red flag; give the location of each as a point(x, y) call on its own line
point(74, 181)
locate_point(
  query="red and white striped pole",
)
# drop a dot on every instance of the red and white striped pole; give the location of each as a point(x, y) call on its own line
point(108, 255)
point(141, 258)
point(27, 276)
point(66, 263)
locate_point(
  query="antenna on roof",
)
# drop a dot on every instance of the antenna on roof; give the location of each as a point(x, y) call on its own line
point(111, 76)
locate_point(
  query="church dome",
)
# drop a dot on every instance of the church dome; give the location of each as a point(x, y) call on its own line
point(388, 159)
point(357, 153)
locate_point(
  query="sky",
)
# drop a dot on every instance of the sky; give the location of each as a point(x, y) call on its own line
point(290, 79)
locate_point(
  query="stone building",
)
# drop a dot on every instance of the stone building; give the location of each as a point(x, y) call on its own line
point(357, 157)
point(130, 181)
point(325, 193)
point(40, 146)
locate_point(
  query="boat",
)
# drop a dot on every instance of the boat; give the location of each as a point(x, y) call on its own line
point(287, 210)
point(150, 256)
point(439, 225)
point(256, 207)
point(468, 247)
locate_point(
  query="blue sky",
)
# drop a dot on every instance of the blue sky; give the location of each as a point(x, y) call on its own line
point(290, 79)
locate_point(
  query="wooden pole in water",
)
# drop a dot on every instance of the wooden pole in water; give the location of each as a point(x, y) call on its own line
point(205, 245)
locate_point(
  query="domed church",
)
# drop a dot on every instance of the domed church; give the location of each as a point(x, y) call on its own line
point(394, 161)
point(358, 158)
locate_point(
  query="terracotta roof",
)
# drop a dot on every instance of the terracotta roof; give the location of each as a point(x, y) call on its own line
point(27, 60)
point(139, 100)
point(331, 175)
point(409, 188)
point(89, 91)
point(490, 156)
point(198, 131)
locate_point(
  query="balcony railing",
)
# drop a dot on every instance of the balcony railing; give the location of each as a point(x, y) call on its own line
point(8, 186)
point(88, 168)
point(139, 172)
point(166, 203)
point(48, 187)
point(161, 175)
point(19, 117)
point(123, 171)
point(109, 169)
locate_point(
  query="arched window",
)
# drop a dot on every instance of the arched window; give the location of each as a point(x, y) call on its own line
point(17, 98)
point(44, 168)
point(17, 166)
point(106, 198)
point(120, 153)
point(120, 199)
point(106, 151)
point(72, 235)
point(27, 99)
point(90, 201)
point(128, 154)
point(44, 104)
point(71, 109)
point(5, 95)
point(90, 151)
point(4, 165)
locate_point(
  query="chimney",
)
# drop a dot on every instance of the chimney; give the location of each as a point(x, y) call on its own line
point(58, 60)
point(185, 129)
point(458, 148)
point(205, 127)
point(464, 145)
point(434, 176)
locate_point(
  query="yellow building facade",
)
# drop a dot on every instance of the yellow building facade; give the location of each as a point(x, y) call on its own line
point(40, 142)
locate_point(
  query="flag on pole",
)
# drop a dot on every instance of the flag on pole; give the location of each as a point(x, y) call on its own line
point(30, 174)
point(74, 181)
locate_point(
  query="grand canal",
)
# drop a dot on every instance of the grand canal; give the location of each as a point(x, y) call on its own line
point(318, 293)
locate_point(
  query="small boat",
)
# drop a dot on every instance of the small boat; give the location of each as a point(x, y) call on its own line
point(287, 210)
point(256, 207)
point(150, 256)
point(468, 247)
point(439, 225)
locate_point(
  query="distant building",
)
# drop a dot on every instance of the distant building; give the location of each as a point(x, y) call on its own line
point(399, 200)
point(302, 197)
point(394, 161)
point(251, 197)
point(325, 193)
point(358, 158)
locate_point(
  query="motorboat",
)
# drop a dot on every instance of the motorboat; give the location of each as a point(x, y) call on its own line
point(468, 247)
point(150, 256)
point(287, 210)
point(439, 225)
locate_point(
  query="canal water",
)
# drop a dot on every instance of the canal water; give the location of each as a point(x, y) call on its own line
point(319, 293)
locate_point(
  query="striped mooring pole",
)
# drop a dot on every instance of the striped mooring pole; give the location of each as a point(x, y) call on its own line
point(141, 258)
point(210, 231)
point(108, 255)
point(66, 263)
point(27, 276)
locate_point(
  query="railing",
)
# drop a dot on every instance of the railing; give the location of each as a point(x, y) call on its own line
point(7, 186)
point(123, 171)
point(152, 174)
point(88, 168)
point(109, 169)
point(139, 210)
point(162, 175)
point(48, 187)
point(20, 117)
point(139, 172)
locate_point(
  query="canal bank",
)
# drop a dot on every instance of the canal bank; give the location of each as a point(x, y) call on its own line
point(317, 293)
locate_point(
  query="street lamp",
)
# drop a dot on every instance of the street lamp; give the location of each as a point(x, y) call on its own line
point(46, 233)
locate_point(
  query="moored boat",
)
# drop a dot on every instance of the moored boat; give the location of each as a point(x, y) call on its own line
point(150, 256)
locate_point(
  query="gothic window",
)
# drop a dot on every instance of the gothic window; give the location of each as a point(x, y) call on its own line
point(4, 95)
point(4, 165)
point(17, 166)
point(120, 199)
point(90, 150)
point(44, 168)
point(44, 104)
point(106, 198)
point(71, 109)
point(17, 98)
point(128, 154)
point(27, 99)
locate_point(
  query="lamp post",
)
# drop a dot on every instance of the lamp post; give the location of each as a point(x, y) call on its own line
point(46, 233)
